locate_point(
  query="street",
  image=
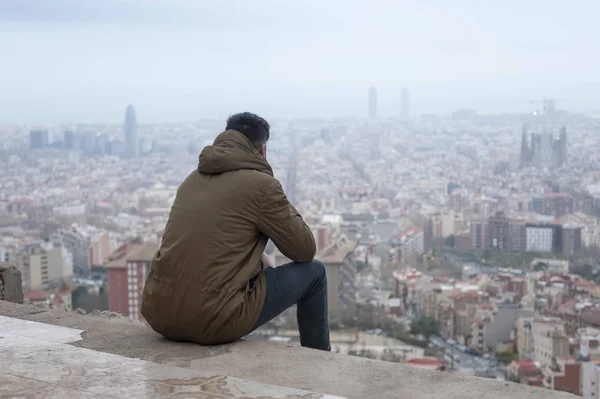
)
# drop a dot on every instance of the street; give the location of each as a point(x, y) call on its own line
point(466, 362)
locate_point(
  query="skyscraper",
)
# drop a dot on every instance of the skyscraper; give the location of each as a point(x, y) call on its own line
point(38, 139)
point(372, 102)
point(563, 154)
point(525, 151)
point(405, 103)
point(69, 140)
point(130, 131)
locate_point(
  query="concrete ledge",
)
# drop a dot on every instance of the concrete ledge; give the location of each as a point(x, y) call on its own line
point(278, 363)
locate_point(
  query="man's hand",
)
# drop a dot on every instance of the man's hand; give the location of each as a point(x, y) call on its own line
point(266, 261)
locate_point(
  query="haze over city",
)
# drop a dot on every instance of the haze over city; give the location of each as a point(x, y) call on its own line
point(80, 61)
point(419, 181)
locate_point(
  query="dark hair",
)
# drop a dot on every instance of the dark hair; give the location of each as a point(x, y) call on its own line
point(250, 125)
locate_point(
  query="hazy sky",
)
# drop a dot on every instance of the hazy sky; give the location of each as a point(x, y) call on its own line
point(84, 60)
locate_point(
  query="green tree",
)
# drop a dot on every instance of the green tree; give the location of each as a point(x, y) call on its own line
point(505, 357)
point(450, 241)
point(425, 326)
point(540, 266)
point(77, 296)
point(586, 271)
point(360, 265)
point(408, 339)
point(487, 254)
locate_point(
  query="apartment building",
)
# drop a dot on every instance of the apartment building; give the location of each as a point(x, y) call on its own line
point(524, 337)
point(89, 245)
point(127, 269)
point(549, 340)
point(46, 264)
point(339, 259)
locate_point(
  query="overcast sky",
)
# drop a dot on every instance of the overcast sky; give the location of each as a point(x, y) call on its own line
point(181, 60)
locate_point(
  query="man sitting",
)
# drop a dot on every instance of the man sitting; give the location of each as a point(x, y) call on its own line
point(208, 282)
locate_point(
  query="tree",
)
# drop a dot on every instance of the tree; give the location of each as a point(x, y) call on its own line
point(505, 357)
point(540, 266)
point(77, 294)
point(586, 271)
point(425, 326)
point(487, 254)
point(450, 241)
point(359, 265)
point(363, 316)
point(408, 339)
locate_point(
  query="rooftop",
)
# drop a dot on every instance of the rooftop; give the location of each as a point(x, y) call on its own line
point(336, 252)
point(526, 364)
point(135, 250)
point(76, 355)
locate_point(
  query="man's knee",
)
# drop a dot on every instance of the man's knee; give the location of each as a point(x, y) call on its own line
point(318, 269)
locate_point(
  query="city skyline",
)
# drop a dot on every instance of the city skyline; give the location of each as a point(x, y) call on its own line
point(460, 223)
point(390, 103)
point(440, 160)
point(398, 106)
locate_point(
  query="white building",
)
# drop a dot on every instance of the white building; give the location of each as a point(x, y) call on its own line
point(48, 264)
point(412, 244)
point(71, 210)
point(549, 340)
point(538, 239)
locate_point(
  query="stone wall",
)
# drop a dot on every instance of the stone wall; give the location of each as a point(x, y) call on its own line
point(11, 285)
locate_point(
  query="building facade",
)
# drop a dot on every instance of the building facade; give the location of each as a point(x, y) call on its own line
point(127, 270)
point(339, 260)
point(38, 139)
point(89, 246)
point(48, 264)
point(549, 340)
point(543, 150)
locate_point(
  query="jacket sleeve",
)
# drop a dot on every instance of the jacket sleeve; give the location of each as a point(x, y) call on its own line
point(282, 223)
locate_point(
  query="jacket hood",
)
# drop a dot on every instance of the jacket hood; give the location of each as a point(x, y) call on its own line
point(231, 151)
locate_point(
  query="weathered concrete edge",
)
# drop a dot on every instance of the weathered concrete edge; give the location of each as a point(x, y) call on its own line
point(278, 363)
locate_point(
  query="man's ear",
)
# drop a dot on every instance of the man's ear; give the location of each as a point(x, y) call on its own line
point(262, 150)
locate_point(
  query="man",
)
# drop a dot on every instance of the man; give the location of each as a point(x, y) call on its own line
point(208, 282)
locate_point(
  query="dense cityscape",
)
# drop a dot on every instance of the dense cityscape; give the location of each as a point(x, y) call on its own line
point(467, 242)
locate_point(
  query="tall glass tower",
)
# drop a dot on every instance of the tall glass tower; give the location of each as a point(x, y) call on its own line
point(131, 135)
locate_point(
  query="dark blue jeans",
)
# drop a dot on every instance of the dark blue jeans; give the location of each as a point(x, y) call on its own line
point(305, 285)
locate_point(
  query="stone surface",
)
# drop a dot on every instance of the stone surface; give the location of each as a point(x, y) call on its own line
point(279, 363)
point(11, 285)
point(35, 361)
